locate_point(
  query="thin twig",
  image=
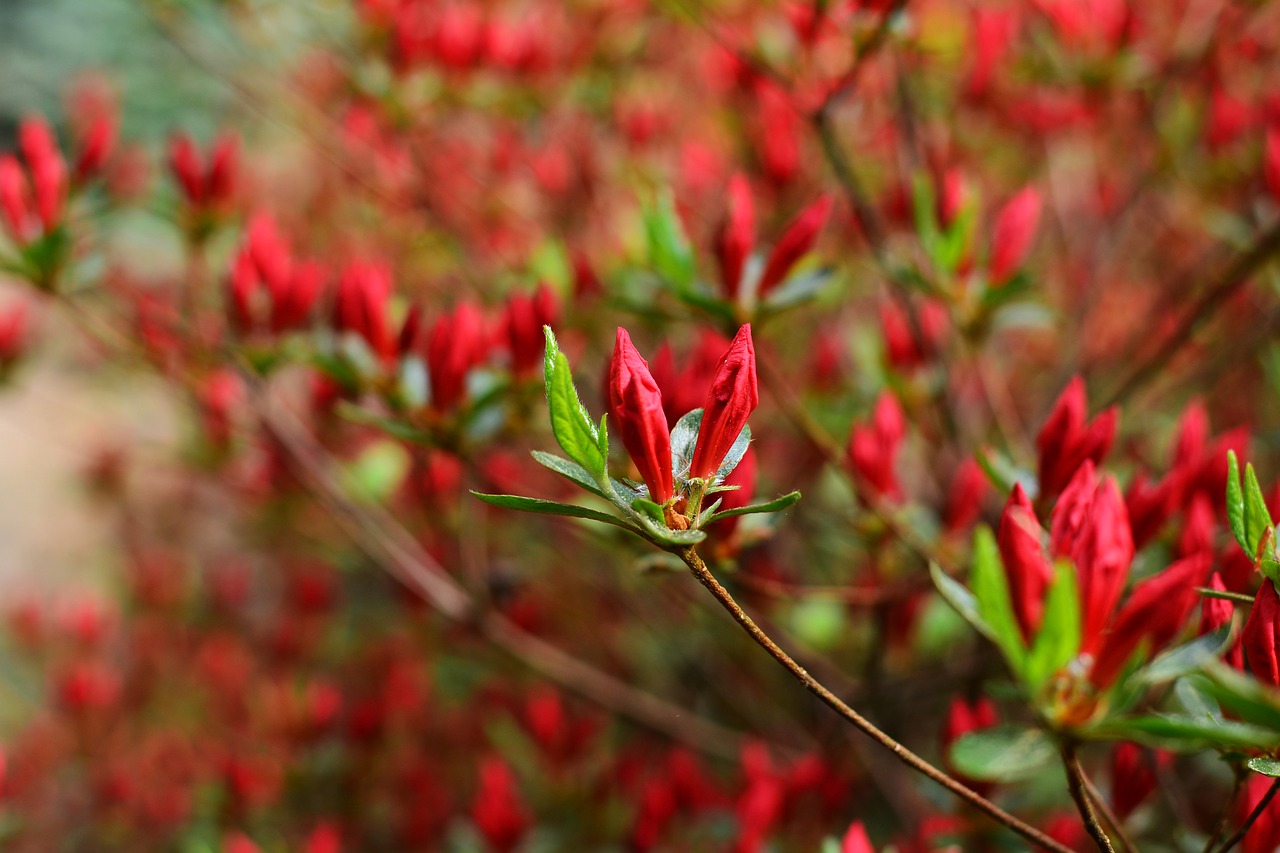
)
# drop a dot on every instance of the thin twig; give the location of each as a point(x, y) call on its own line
point(1076, 784)
point(1108, 816)
point(906, 756)
point(1252, 818)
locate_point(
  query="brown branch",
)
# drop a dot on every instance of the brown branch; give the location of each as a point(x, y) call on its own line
point(1108, 816)
point(384, 539)
point(1076, 784)
point(906, 756)
point(1221, 827)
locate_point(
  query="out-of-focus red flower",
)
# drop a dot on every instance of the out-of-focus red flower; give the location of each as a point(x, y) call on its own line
point(1068, 438)
point(1014, 231)
point(521, 327)
point(457, 344)
point(498, 810)
point(795, 243)
point(1216, 613)
point(873, 447)
point(964, 497)
point(1154, 613)
point(1026, 566)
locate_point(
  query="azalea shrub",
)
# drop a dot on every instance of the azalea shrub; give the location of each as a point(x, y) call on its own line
point(638, 425)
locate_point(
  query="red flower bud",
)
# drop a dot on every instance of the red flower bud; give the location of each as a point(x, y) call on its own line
point(15, 201)
point(732, 398)
point(1071, 510)
point(47, 169)
point(1102, 553)
point(1217, 612)
point(1271, 163)
point(220, 180)
point(457, 344)
point(1067, 439)
point(1262, 635)
point(521, 327)
point(737, 234)
point(1025, 565)
point(796, 242)
point(1133, 777)
point(1011, 238)
point(96, 146)
point(188, 168)
point(856, 840)
point(873, 447)
point(964, 498)
point(499, 812)
point(636, 405)
point(1155, 612)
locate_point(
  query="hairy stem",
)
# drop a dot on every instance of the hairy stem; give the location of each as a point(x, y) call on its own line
point(906, 756)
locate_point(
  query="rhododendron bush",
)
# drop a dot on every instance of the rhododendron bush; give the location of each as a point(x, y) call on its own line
point(637, 425)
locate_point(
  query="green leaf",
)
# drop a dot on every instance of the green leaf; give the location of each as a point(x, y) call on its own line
point(1248, 698)
point(960, 599)
point(1265, 766)
point(1195, 701)
point(1058, 640)
point(545, 507)
point(662, 535)
point(798, 289)
point(1003, 754)
point(1186, 733)
point(1185, 659)
point(775, 505)
point(570, 422)
point(670, 253)
point(991, 589)
point(571, 471)
point(1257, 520)
point(1235, 502)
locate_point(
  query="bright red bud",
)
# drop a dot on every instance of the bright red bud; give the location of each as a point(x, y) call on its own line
point(457, 344)
point(1102, 553)
point(15, 202)
point(636, 404)
point(1067, 438)
point(856, 840)
point(873, 447)
point(737, 235)
point(1026, 566)
point(1216, 613)
point(1011, 238)
point(796, 242)
point(1262, 635)
point(1154, 613)
point(731, 400)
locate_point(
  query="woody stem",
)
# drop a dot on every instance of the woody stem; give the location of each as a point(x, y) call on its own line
point(906, 756)
point(1076, 783)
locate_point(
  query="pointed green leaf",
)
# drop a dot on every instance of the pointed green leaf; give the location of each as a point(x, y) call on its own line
point(571, 471)
point(775, 505)
point(991, 589)
point(570, 423)
point(1257, 520)
point(669, 250)
point(1235, 502)
point(1248, 698)
point(1003, 754)
point(1058, 640)
point(1187, 658)
point(1186, 733)
point(1265, 766)
point(546, 507)
point(960, 599)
